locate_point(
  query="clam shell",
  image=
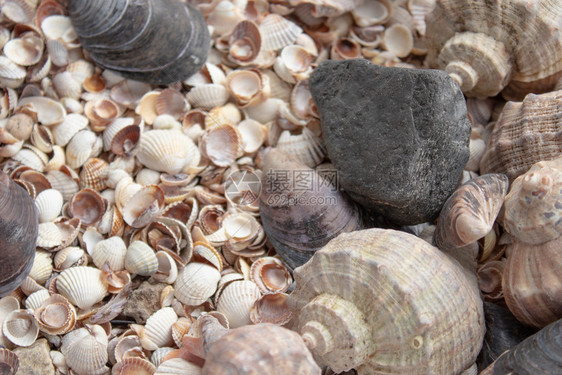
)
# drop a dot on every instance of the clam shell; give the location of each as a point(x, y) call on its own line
point(87, 205)
point(270, 275)
point(271, 308)
point(85, 349)
point(167, 151)
point(49, 111)
point(72, 124)
point(277, 32)
point(248, 87)
point(49, 204)
point(82, 146)
point(306, 147)
point(159, 354)
point(140, 259)
point(142, 207)
point(20, 328)
point(177, 366)
point(133, 366)
point(236, 300)
point(222, 144)
point(26, 50)
point(121, 136)
point(398, 40)
point(196, 282)
point(55, 315)
point(112, 251)
point(93, 174)
point(35, 299)
point(207, 96)
point(82, 286)
point(42, 267)
point(158, 329)
point(167, 271)
point(372, 12)
point(9, 361)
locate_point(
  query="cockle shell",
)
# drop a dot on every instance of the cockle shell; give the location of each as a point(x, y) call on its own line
point(538, 353)
point(85, 349)
point(470, 212)
point(140, 259)
point(55, 315)
point(271, 308)
point(112, 39)
point(338, 290)
point(526, 132)
point(42, 267)
point(195, 283)
point(167, 151)
point(82, 286)
point(307, 147)
point(49, 204)
point(236, 300)
point(499, 35)
point(112, 251)
point(9, 362)
point(157, 331)
point(133, 366)
point(18, 220)
point(270, 275)
point(260, 349)
point(298, 230)
point(20, 327)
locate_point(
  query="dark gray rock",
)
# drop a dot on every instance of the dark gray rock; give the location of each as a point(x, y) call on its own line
point(398, 137)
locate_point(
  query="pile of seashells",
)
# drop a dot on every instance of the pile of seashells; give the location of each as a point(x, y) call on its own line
point(134, 182)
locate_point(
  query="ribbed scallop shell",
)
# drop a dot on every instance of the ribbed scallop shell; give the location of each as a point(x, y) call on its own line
point(55, 315)
point(469, 213)
point(158, 329)
point(133, 366)
point(9, 362)
point(196, 282)
point(42, 267)
point(256, 349)
point(533, 207)
point(49, 204)
point(306, 147)
point(85, 349)
point(167, 151)
point(278, 32)
point(93, 174)
point(82, 286)
point(525, 133)
point(515, 40)
point(111, 250)
point(20, 327)
point(35, 299)
point(236, 301)
point(140, 259)
point(339, 293)
point(177, 366)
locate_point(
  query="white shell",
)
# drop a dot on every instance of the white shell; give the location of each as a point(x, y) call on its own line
point(167, 271)
point(111, 250)
point(82, 146)
point(71, 125)
point(82, 286)
point(49, 111)
point(236, 301)
point(35, 299)
point(141, 259)
point(196, 282)
point(25, 51)
point(277, 32)
point(20, 327)
point(42, 267)
point(306, 147)
point(158, 329)
point(207, 96)
point(85, 349)
point(167, 151)
point(177, 366)
point(49, 204)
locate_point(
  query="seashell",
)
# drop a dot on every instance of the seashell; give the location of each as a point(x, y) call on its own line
point(457, 32)
point(146, 204)
point(236, 300)
point(71, 256)
point(31, 157)
point(20, 126)
point(224, 17)
point(93, 174)
point(196, 282)
point(20, 328)
point(157, 331)
point(17, 11)
point(167, 271)
point(271, 308)
point(10, 144)
point(11, 74)
point(372, 12)
point(398, 40)
point(112, 251)
point(82, 286)
point(87, 205)
point(490, 279)
point(253, 135)
point(177, 366)
point(538, 353)
point(526, 132)
point(63, 183)
point(159, 354)
point(18, 220)
point(85, 349)
point(67, 129)
point(248, 87)
point(293, 63)
point(147, 177)
point(476, 147)
point(419, 9)
point(345, 48)
point(26, 50)
point(49, 204)
point(167, 151)
point(42, 138)
point(133, 366)
point(140, 259)
point(67, 86)
point(42, 267)
point(38, 180)
point(334, 312)
point(270, 275)
point(278, 32)
point(9, 362)
point(55, 315)
point(35, 299)
point(49, 111)
point(113, 41)
point(293, 229)
point(82, 146)
point(101, 113)
point(327, 8)
point(171, 102)
point(179, 329)
point(207, 96)
point(94, 83)
point(307, 148)
point(249, 349)
point(222, 144)
point(302, 104)
point(129, 93)
point(470, 212)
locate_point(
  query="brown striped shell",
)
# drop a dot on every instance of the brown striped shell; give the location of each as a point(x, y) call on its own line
point(525, 133)
point(383, 301)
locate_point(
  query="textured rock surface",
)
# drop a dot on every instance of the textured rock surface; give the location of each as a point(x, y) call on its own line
point(35, 359)
point(398, 137)
point(144, 301)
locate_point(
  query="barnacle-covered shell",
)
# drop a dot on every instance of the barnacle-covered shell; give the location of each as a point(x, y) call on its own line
point(469, 213)
point(114, 32)
point(526, 132)
point(18, 234)
point(254, 349)
point(537, 354)
point(499, 35)
point(338, 298)
point(298, 230)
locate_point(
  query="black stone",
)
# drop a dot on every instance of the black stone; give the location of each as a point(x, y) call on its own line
point(398, 137)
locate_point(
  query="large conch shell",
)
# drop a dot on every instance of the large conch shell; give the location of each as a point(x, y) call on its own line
point(531, 282)
point(487, 45)
point(18, 234)
point(540, 353)
point(157, 41)
point(386, 302)
point(301, 211)
point(254, 349)
point(470, 212)
point(526, 132)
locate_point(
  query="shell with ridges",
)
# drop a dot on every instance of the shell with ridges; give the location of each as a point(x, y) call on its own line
point(236, 300)
point(85, 349)
point(55, 315)
point(111, 250)
point(195, 283)
point(338, 291)
point(133, 366)
point(158, 329)
point(42, 267)
point(9, 362)
point(469, 213)
point(167, 151)
point(49, 204)
point(271, 308)
point(20, 327)
point(82, 286)
point(140, 259)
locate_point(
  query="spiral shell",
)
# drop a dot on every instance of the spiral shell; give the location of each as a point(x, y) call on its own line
point(499, 35)
point(114, 32)
point(340, 290)
point(18, 234)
